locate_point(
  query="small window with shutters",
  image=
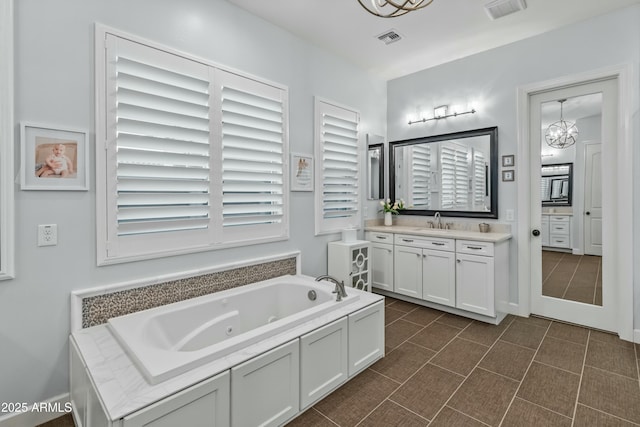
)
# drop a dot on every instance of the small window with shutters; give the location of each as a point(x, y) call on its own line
point(337, 167)
point(192, 157)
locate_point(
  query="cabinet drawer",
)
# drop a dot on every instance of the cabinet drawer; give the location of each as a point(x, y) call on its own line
point(374, 236)
point(425, 242)
point(559, 241)
point(474, 248)
point(559, 228)
point(559, 218)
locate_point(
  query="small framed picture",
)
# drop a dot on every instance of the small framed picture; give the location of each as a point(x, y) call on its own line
point(53, 159)
point(508, 175)
point(509, 161)
point(301, 172)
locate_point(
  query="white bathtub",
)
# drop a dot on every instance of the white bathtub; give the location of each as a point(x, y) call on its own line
point(169, 340)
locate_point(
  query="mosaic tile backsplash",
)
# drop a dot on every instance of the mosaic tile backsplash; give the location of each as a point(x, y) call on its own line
point(96, 310)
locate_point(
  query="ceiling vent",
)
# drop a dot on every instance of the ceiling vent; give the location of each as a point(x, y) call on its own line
point(390, 36)
point(499, 8)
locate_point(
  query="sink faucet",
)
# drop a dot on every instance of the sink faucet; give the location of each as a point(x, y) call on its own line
point(437, 220)
point(339, 290)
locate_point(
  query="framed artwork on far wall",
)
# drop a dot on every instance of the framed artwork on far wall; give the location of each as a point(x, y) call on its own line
point(509, 160)
point(301, 172)
point(508, 175)
point(53, 158)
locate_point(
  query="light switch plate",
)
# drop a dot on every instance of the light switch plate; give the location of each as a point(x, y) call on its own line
point(47, 234)
point(510, 215)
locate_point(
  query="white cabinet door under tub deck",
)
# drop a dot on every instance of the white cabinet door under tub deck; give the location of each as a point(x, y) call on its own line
point(323, 361)
point(203, 405)
point(265, 391)
point(366, 337)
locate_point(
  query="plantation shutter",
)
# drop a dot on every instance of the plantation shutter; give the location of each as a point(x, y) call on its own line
point(421, 177)
point(479, 181)
point(455, 177)
point(337, 174)
point(159, 161)
point(253, 156)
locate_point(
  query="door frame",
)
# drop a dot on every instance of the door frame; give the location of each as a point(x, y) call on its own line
point(622, 250)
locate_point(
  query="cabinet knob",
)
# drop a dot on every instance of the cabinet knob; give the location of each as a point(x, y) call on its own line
point(536, 232)
point(587, 213)
point(458, 260)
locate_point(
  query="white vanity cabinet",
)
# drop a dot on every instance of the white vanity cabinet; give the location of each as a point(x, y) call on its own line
point(475, 277)
point(381, 259)
point(458, 271)
point(425, 268)
point(556, 231)
point(323, 361)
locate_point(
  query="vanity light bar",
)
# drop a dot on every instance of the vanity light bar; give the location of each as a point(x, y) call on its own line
point(424, 119)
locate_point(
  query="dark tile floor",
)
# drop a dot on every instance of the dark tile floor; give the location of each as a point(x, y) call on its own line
point(442, 370)
point(445, 370)
point(572, 277)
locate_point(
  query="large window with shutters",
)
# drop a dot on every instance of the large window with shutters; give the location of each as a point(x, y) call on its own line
point(337, 172)
point(190, 156)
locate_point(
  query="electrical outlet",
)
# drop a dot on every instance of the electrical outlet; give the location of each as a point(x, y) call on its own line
point(47, 234)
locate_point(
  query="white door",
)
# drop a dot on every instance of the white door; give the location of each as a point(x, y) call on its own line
point(596, 316)
point(593, 199)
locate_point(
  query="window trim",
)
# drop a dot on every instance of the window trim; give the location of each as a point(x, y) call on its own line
point(102, 202)
point(7, 192)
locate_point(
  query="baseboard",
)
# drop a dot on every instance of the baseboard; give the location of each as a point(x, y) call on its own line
point(38, 413)
point(636, 335)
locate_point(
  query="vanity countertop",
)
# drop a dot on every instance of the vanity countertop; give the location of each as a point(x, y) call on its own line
point(557, 213)
point(450, 234)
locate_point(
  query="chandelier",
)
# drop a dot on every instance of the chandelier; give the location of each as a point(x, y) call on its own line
point(561, 134)
point(392, 8)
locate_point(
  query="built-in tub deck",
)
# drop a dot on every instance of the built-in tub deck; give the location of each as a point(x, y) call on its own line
point(122, 385)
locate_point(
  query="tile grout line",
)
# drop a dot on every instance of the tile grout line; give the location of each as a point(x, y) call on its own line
point(564, 295)
point(584, 362)
point(525, 374)
point(470, 372)
point(416, 371)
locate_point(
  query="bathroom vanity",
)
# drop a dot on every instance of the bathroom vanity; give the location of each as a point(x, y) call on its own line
point(461, 272)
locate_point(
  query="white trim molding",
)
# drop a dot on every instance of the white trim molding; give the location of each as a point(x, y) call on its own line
point(623, 237)
point(7, 142)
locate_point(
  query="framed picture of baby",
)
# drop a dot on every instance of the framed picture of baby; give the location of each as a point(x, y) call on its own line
point(53, 159)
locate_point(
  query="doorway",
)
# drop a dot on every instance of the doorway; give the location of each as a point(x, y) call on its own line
point(616, 313)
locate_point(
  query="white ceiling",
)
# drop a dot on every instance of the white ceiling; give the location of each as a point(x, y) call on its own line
point(442, 32)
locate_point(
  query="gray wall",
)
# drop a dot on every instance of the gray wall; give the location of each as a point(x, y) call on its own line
point(492, 78)
point(55, 86)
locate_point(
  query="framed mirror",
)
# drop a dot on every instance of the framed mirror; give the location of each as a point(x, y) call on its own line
point(455, 174)
point(556, 183)
point(375, 167)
